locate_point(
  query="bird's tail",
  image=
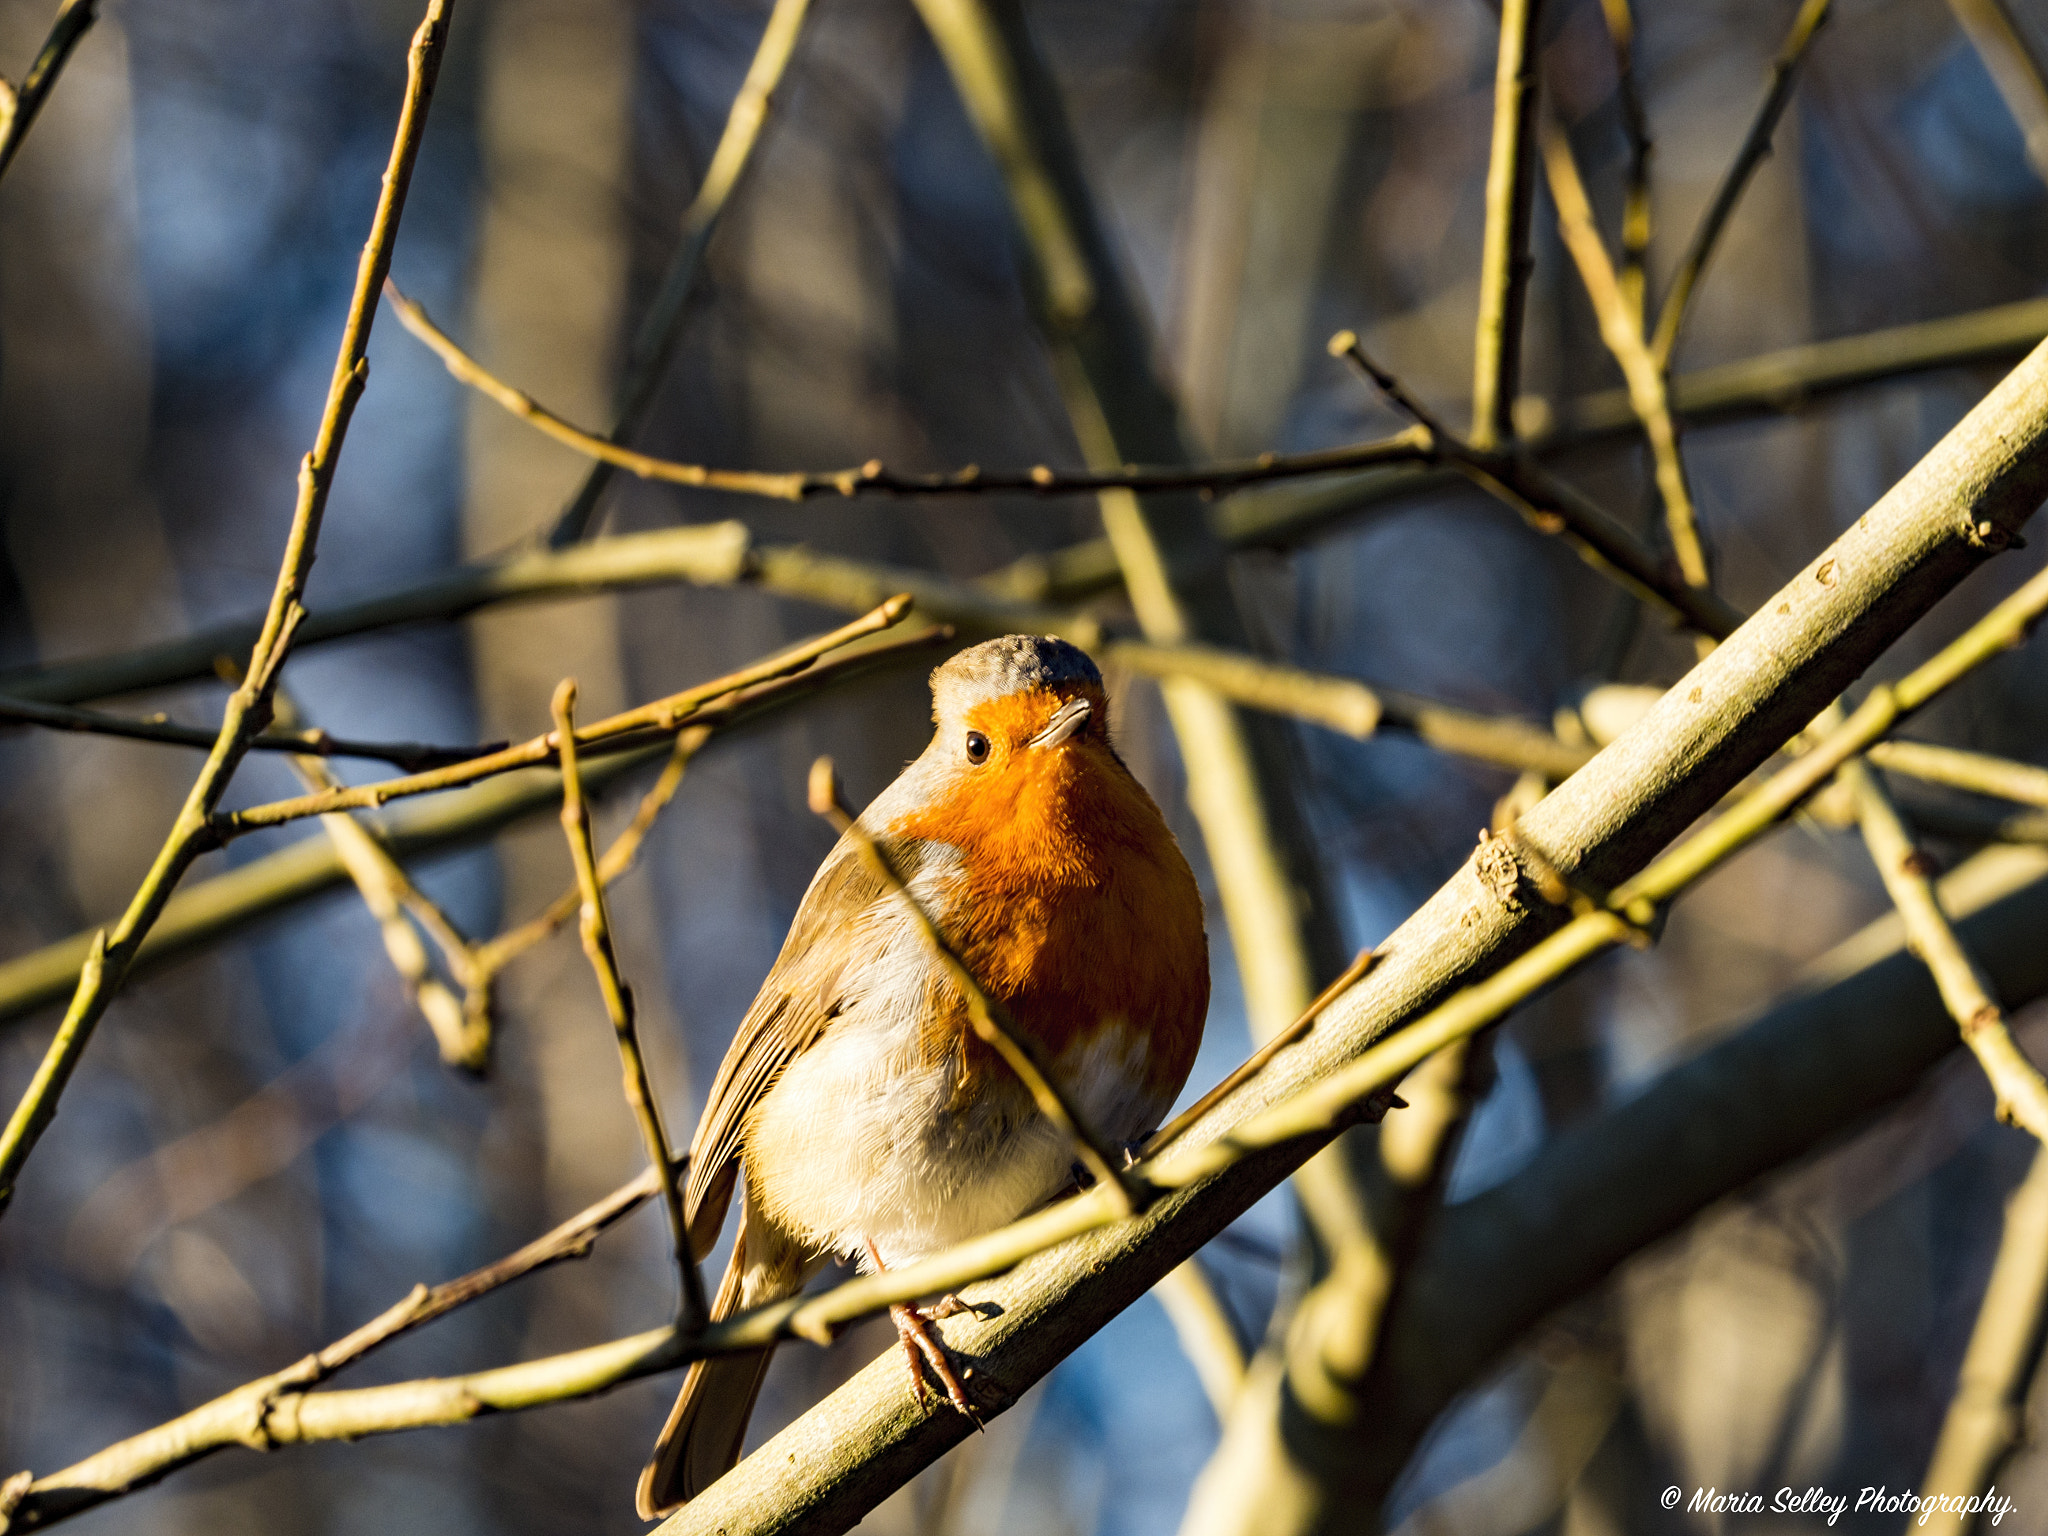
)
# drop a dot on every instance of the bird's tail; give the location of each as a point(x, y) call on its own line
point(701, 1441)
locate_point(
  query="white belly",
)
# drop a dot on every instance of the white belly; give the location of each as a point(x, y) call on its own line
point(898, 1162)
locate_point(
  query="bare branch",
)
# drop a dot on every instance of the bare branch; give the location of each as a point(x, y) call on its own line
point(19, 106)
point(873, 478)
point(1985, 1416)
point(662, 327)
point(1621, 329)
point(614, 733)
point(691, 1311)
point(248, 707)
point(1756, 145)
point(408, 755)
point(1965, 990)
point(1504, 260)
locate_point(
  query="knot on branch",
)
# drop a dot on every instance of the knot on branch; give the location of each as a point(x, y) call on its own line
point(1499, 871)
point(1983, 533)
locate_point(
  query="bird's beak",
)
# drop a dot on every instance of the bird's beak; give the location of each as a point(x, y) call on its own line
point(1066, 720)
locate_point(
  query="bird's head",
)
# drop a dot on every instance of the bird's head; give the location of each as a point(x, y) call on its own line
point(1022, 708)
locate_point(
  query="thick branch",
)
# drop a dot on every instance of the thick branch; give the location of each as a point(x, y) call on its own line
point(1733, 710)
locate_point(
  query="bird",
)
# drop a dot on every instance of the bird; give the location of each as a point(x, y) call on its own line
point(856, 1112)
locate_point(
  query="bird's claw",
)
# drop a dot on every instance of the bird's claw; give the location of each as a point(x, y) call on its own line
point(924, 1352)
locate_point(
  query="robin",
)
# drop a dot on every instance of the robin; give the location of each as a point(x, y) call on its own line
point(871, 1123)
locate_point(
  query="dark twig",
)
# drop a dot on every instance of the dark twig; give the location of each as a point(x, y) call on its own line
point(662, 328)
point(19, 106)
point(1552, 506)
point(410, 755)
point(615, 733)
point(1756, 145)
point(874, 478)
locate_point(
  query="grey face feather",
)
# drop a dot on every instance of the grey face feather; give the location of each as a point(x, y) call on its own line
point(1009, 665)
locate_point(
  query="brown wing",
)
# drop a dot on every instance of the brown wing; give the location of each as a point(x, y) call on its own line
point(806, 989)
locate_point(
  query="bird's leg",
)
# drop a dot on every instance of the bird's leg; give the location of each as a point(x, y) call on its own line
point(924, 1350)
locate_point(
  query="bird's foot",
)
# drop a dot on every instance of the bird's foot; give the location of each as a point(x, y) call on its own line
point(921, 1347)
point(924, 1352)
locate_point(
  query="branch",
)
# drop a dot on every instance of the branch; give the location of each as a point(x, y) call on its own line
point(248, 707)
point(614, 733)
point(409, 755)
point(1756, 145)
point(1863, 1026)
point(1985, 1416)
point(873, 478)
point(691, 1311)
point(1621, 329)
point(1504, 261)
point(461, 1025)
point(991, 1021)
point(1977, 772)
point(1735, 708)
point(1635, 217)
point(245, 1415)
point(211, 909)
point(20, 107)
point(1965, 989)
point(662, 328)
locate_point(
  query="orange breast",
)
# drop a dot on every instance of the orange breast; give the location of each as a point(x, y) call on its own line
point(1075, 906)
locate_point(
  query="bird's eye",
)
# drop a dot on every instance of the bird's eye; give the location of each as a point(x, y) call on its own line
point(977, 747)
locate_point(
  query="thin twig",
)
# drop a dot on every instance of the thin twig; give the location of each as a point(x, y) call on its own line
point(1621, 329)
point(494, 954)
point(409, 755)
point(1756, 144)
point(461, 1025)
point(990, 1020)
point(244, 1415)
point(1978, 772)
point(614, 733)
point(874, 478)
point(691, 1311)
point(1965, 990)
point(207, 910)
point(1986, 1415)
point(1504, 261)
point(1551, 506)
point(1635, 217)
point(20, 106)
point(248, 707)
point(1254, 1063)
point(662, 328)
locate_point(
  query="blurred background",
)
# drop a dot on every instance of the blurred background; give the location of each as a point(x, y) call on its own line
point(263, 1149)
